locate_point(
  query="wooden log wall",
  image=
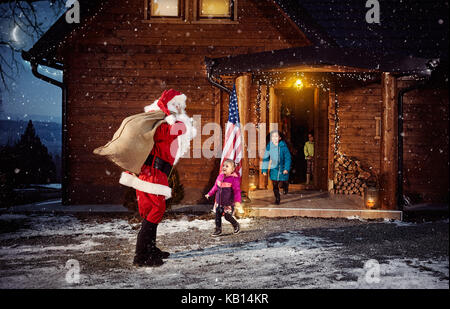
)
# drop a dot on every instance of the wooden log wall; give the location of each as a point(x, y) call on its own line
point(357, 108)
point(426, 144)
point(117, 64)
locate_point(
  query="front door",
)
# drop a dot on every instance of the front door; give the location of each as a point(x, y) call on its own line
point(297, 117)
point(297, 113)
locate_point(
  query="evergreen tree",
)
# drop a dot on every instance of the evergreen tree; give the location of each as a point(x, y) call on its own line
point(34, 164)
point(177, 189)
point(7, 162)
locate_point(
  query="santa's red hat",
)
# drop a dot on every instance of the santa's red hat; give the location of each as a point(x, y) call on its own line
point(168, 102)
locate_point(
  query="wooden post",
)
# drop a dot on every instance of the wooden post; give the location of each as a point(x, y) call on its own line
point(262, 135)
point(316, 137)
point(274, 119)
point(331, 138)
point(243, 84)
point(218, 114)
point(389, 140)
point(274, 110)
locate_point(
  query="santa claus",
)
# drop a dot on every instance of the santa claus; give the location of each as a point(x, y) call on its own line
point(150, 144)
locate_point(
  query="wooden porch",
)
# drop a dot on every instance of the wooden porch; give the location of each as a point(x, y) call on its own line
point(313, 203)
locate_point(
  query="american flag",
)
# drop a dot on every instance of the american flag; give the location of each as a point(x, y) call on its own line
point(233, 143)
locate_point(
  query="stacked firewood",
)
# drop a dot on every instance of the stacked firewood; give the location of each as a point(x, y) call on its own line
point(349, 177)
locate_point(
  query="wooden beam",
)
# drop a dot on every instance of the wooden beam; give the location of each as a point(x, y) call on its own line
point(243, 84)
point(389, 140)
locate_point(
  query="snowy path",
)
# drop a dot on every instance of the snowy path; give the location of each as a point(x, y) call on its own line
point(35, 250)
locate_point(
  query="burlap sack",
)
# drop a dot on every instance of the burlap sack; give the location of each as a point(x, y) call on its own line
point(133, 141)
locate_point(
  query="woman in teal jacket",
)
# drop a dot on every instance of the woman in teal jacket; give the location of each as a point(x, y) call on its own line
point(278, 153)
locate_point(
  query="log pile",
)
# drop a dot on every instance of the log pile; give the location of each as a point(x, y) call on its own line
point(349, 177)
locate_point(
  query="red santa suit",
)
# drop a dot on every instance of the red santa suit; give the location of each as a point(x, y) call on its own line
point(171, 141)
point(153, 206)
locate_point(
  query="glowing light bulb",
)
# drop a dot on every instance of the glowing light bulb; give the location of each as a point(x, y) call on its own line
point(299, 84)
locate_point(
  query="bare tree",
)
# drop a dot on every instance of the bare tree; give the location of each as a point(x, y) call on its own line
point(21, 15)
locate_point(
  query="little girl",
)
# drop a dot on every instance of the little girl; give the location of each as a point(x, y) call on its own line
point(227, 189)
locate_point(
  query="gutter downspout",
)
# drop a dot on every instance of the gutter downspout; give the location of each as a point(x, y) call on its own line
point(209, 64)
point(221, 87)
point(34, 69)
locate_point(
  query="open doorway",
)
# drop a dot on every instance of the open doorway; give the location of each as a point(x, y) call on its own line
point(297, 120)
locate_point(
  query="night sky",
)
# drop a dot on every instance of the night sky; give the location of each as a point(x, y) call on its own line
point(26, 96)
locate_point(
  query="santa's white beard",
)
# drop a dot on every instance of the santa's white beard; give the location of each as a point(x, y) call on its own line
point(184, 140)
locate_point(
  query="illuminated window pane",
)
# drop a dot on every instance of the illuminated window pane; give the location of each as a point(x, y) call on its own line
point(164, 8)
point(215, 8)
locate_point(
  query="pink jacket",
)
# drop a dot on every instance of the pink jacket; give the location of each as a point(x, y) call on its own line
point(227, 189)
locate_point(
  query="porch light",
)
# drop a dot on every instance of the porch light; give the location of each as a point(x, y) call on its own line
point(299, 84)
point(371, 197)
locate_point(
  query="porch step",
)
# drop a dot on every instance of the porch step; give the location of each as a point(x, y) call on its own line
point(316, 204)
point(296, 190)
point(303, 189)
point(300, 187)
point(324, 213)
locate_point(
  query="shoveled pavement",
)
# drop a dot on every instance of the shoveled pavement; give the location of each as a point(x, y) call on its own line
point(47, 250)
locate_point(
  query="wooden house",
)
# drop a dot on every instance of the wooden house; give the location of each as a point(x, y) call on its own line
point(124, 53)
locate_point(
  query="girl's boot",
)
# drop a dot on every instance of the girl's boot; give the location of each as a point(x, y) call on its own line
point(218, 230)
point(276, 192)
point(236, 226)
point(285, 187)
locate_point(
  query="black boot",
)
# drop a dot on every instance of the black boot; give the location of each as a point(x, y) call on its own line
point(146, 254)
point(154, 254)
point(285, 187)
point(234, 223)
point(158, 252)
point(277, 197)
point(276, 192)
point(218, 230)
point(143, 239)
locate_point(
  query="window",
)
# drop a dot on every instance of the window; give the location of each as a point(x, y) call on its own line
point(190, 11)
point(215, 9)
point(165, 9)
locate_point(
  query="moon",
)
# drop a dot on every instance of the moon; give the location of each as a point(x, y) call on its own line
point(14, 34)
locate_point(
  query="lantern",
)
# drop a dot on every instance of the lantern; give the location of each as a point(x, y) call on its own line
point(252, 182)
point(371, 197)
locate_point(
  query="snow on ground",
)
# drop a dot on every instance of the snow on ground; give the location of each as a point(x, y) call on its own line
point(66, 225)
point(184, 225)
point(36, 255)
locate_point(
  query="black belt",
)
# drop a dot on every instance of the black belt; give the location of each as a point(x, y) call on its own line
point(159, 163)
